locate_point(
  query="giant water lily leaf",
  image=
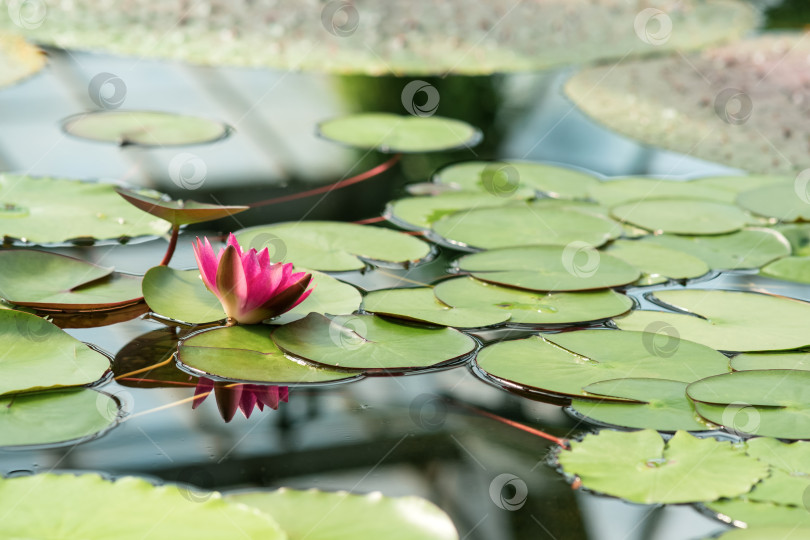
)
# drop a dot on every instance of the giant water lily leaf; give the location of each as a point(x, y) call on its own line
point(767, 533)
point(769, 403)
point(419, 213)
point(567, 362)
point(618, 191)
point(144, 128)
point(47, 280)
point(179, 212)
point(506, 178)
point(524, 225)
point(575, 267)
point(421, 305)
point(54, 417)
point(735, 104)
point(345, 516)
point(400, 134)
point(761, 516)
point(790, 471)
point(332, 246)
point(18, 59)
point(640, 467)
point(784, 360)
point(527, 307)
point(729, 320)
point(681, 216)
point(795, 269)
point(657, 261)
point(247, 354)
point(38, 355)
point(798, 235)
point(64, 506)
point(659, 404)
point(783, 202)
point(371, 344)
point(749, 248)
point(30, 206)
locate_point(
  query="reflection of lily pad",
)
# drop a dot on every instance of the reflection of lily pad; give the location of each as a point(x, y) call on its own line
point(147, 361)
point(54, 417)
point(657, 261)
point(371, 344)
point(333, 246)
point(729, 320)
point(640, 467)
point(527, 307)
point(681, 216)
point(29, 207)
point(400, 134)
point(144, 128)
point(622, 190)
point(421, 212)
point(790, 471)
point(18, 59)
point(179, 212)
point(785, 202)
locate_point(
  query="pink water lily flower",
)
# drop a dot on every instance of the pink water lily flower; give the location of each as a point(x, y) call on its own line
point(249, 286)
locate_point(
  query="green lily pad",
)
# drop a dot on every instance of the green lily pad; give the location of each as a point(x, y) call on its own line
point(567, 362)
point(38, 355)
point(739, 184)
point(419, 213)
point(658, 404)
point(345, 516)
point(524, 225)
point(54, 417)
point(507, 178)
point(767, 533)
point(90, 507)
point(526, 307)
point(798, 235)
point(795, 269)
point(18, 59)
point(421, 305)
point(46, 280)
point(749, 248)
point(758, 515)
point(623, 190)
point(729, 320)
point(30, 206)
point(657, 261)
point(640, 467)
point(768, 403)
point(784, 202)
point(783, 360)
point(576, 267)
point(333, 246)
point(393, 133)
point(144, 128)
point(179, 212)
point(371, 344)
point(790, 471)
point(682, 216)
point(247, 354)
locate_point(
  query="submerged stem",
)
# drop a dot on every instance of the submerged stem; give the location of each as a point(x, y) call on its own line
point(172, 245)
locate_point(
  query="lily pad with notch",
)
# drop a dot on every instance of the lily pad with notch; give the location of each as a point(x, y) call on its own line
point(179, 212)
point(790, 471)
point(682, 216)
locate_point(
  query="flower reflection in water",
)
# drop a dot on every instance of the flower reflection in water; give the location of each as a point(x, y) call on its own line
point(232, 396)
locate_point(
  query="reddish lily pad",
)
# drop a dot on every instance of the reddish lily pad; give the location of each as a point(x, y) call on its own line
point(179, 212)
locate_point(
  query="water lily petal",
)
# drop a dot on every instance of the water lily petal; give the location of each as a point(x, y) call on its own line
point(231, 282)
point(207, 262)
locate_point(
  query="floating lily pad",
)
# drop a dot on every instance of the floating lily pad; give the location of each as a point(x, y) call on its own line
point(507, 178)
point(371, 344)
point(784, 202)
point(798, 235)
point(550, 268)
point(749, 248)
point(769, 403)
point(333, 246)
point(65, 506)
point(54, 417)
point(144, 128)
point(784, 360)
point(492, 228)
point(790, 471)
point(344, 516)
point(658, 404)
point(393, 133)
point(18, 59)
point(46, 280)
point(247, 354)
point(795, 269)
point(567, 362)
point(623, 190)
point(729, 320)
point(757, 515)
point(682, 216)
point(38, 355)
point(739, 184)
point(419, 213)
point(767, 533)
point(30, 206)
point(526, 307)
point(421, 305)
point(657, 261)
point(179, 212)
point(640, 467)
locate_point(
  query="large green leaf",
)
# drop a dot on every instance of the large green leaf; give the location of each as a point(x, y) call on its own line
point(30, 206)
point(681, 216)
point(640, 467)
point(782, 360)
point(790, 471)
point(54, 417)
point(566, 362)
point(657, 261)
point(144, 128)
point(67, 507)
point(729, 320)
point(786, 532)
point(419, 213)
point(796, 269)
point(617, 191)
point(576, 267)
point(371, 344)
point(247, 354)
point(393, 133)
point(318, 515)
point(784, 201)
point(757, 514)
point(179, 212)
point(738, 184)
point(333, 246)
point(37, 355)
point(527, 307)
point(18, 59)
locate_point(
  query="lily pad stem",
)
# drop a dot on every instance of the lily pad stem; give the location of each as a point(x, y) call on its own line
point(172, 245)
